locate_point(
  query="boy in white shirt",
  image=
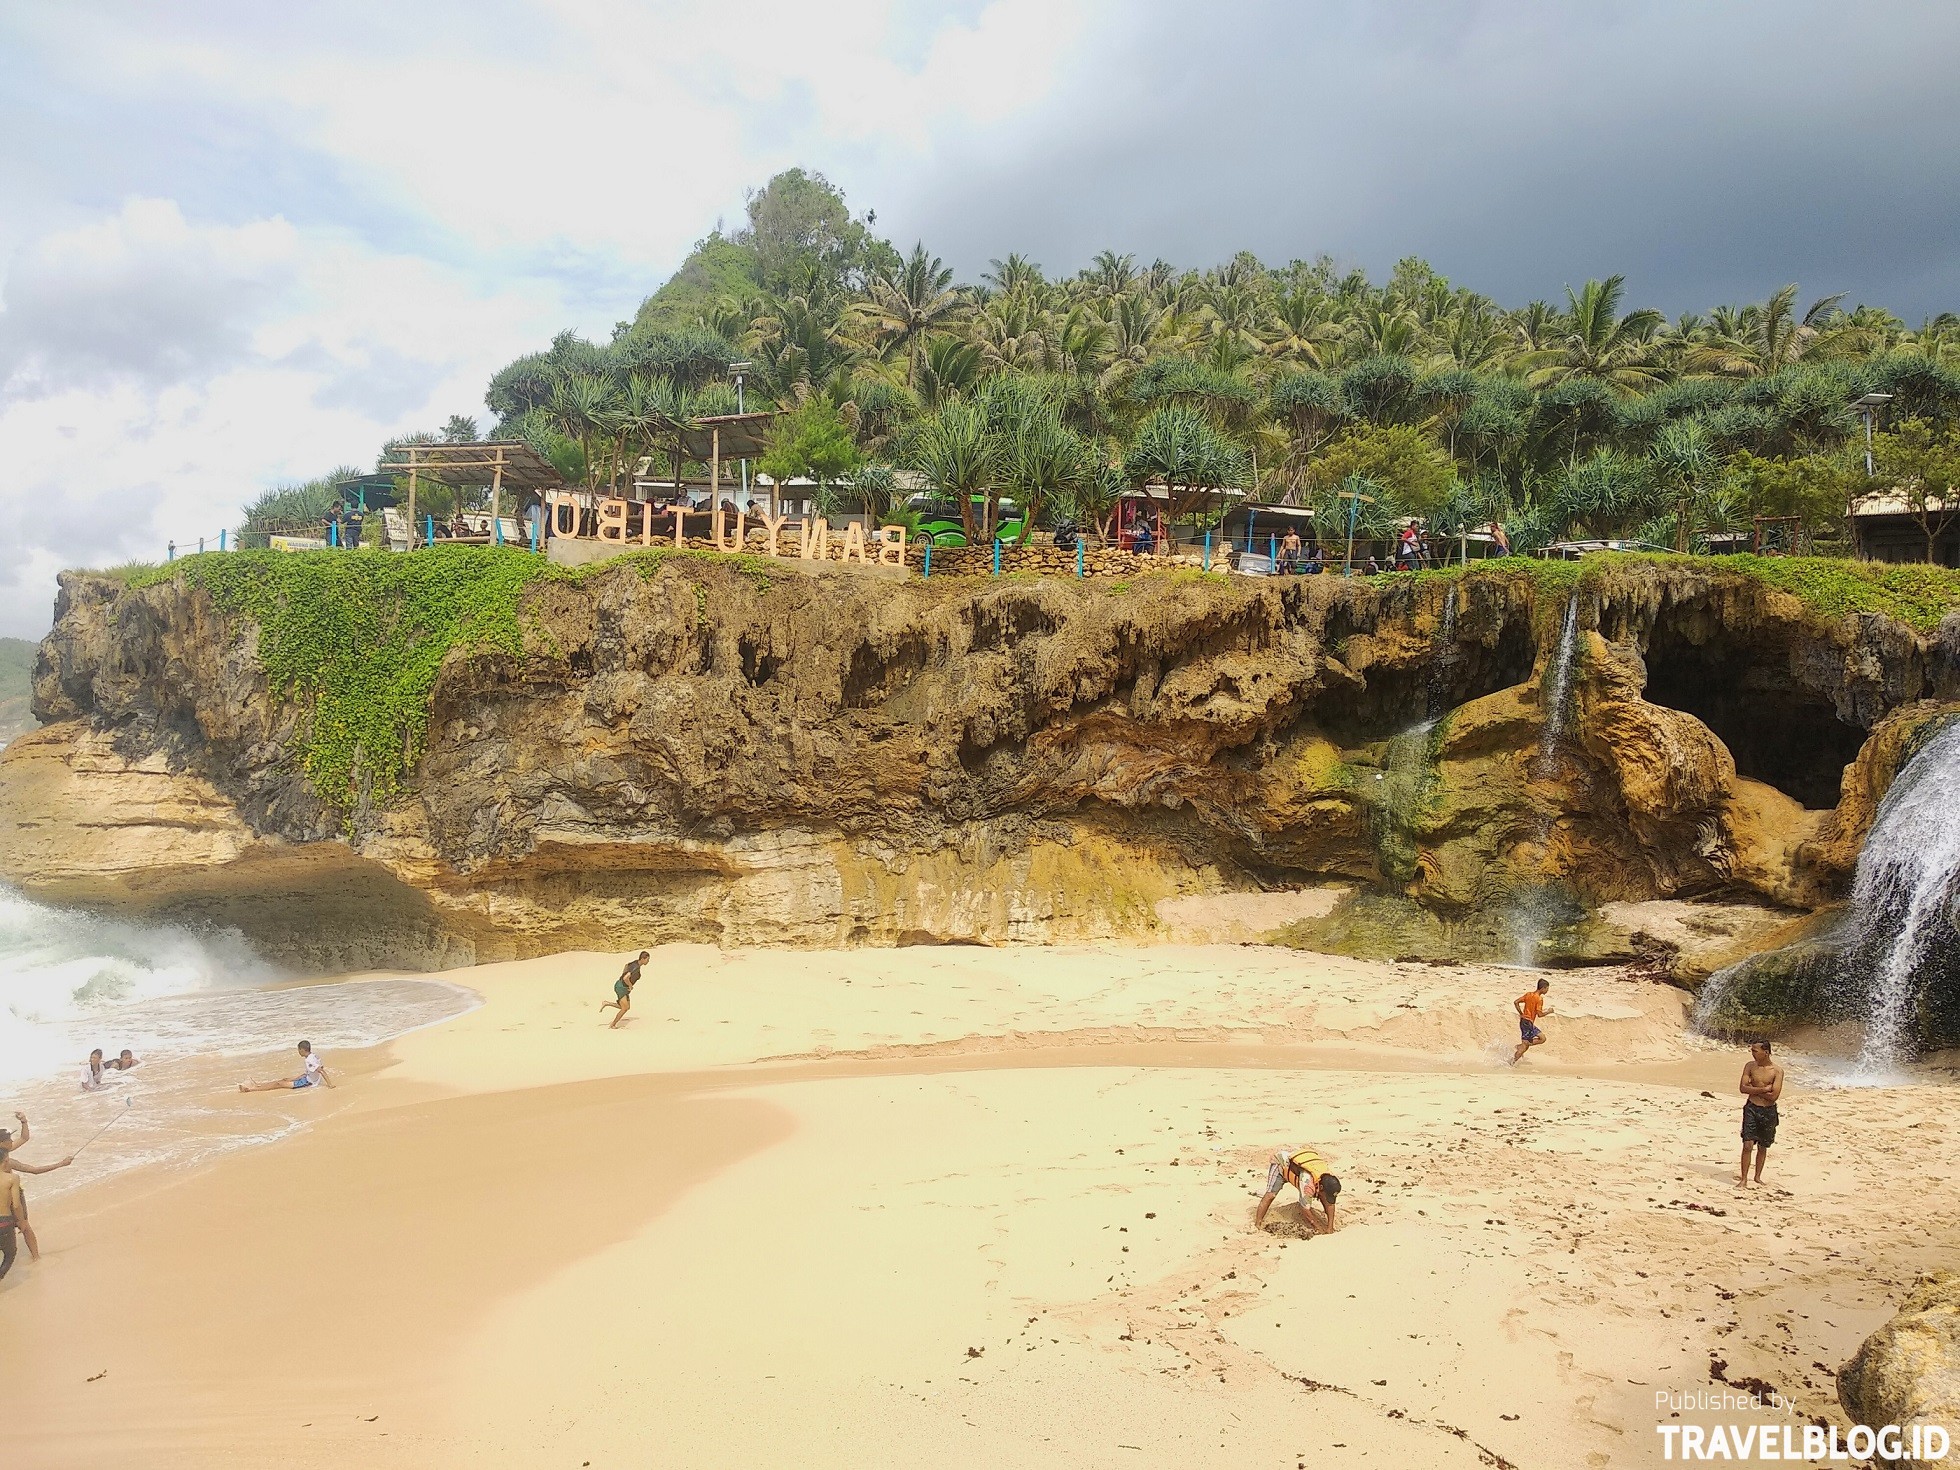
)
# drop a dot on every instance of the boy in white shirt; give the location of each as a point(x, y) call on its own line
point(312, 1073)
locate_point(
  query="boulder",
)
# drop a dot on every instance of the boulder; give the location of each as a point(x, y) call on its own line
point(1908, 1372)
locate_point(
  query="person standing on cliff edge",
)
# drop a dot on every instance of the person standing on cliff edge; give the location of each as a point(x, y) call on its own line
point(1762, 1085)
point(622, 1000)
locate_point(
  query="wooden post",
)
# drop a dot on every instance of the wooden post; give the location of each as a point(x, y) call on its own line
point(714, 473)
point(497, 500)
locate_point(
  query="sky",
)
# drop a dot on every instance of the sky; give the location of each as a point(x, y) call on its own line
point(242, 244)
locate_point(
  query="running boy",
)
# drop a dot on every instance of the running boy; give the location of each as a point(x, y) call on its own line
point(622, 1000)
point(1530, 1006)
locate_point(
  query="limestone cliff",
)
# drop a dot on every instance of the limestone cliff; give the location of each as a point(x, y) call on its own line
point(690, 746)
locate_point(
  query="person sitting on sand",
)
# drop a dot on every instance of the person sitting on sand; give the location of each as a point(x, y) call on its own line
point(10, 1166)
point(1530, 1006)
point(1307, 1172)
point(124, 1062)
point(312, 1073)
point(92, 1078)
point(623, 989)
point(1762, 1085)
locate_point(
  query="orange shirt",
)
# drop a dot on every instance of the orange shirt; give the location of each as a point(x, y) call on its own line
point(1534, 1005)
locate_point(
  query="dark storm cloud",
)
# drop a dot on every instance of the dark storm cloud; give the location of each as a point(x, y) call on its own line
point(1709, 152)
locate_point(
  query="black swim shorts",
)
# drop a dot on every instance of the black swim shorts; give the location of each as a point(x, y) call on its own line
point(1759, 1124)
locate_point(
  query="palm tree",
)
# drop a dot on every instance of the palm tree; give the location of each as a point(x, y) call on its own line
point(1301, 329)
point(1762, 340)
point(1011, 332)
point(1016, 273)
point(916, 299)
point(950, 367)
point(1110, 274)
point(1595, 341)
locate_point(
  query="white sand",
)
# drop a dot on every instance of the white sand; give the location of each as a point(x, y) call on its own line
point(768, 1220)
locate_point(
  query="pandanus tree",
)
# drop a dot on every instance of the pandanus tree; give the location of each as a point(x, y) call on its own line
point(1180, 447)
point(959, 459)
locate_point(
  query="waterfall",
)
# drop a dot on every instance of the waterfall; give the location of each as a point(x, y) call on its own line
point(1402, 788)
point(1903, 901)
point(1441, 672)
point(1555, 688)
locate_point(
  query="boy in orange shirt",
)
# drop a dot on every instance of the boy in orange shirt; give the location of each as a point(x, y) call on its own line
point(1530, 1006)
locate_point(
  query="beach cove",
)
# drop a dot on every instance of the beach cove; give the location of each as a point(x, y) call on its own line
point(857, 1207)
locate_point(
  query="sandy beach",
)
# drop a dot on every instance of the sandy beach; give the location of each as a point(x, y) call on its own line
point(981, 1205)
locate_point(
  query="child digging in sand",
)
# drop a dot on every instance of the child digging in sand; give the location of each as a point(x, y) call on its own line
point(1307, 1172)
point(1530, 1006)
point(622, 1000)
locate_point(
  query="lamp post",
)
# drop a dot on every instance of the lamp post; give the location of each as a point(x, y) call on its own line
point(1867, 405)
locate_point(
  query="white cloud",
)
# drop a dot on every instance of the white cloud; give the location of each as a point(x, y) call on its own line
point(246, 356)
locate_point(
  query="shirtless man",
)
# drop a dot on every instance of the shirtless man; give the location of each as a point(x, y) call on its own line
point(1530, 1006)
point(622, 1000)
point(1307, 1172)
point(8, 1166)
point(1762, 1085)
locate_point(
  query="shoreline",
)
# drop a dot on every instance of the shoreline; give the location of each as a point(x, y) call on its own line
point(789, 1184)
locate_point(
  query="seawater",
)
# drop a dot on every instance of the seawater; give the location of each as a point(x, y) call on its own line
point(187, 1003)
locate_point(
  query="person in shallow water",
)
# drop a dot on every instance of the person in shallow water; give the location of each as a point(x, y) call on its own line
point(1530, 1006)
point(124, 1062)
point(312, 1073)
point(1762, 1085)
point(92, 1077)
point(1307, 1172)
point(622, 999)
point(10, 1166)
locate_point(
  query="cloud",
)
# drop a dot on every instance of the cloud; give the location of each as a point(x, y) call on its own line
point(167, 370)
point(244, 243)
point(138, 295)
point(1709, 152)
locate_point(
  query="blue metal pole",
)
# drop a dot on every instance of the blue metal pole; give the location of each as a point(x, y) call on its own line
point(1078, 556)
point(928, 573)
point(221, 539)
point(534, 532)
point(497, 528)
point(996, 556)
point(1272, 551)
point(171, 554)
point(1251, 515)
point(333, 534)
point(1207, 551)
point(429, 536)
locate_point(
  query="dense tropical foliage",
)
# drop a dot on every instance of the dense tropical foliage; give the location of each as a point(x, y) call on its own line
point(1585, 415)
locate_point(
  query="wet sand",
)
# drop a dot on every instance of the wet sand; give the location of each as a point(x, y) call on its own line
point(858, 1208)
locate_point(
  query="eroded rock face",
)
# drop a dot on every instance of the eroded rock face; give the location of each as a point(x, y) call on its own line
point(836, 757)
point(1908, 1372)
